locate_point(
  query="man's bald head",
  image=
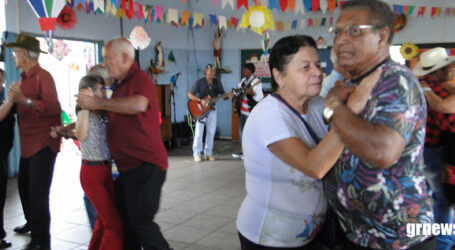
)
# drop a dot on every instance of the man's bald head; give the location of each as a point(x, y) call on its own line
point(118, 55)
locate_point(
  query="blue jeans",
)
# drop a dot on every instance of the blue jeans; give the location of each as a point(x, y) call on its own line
point(443, 213)
point(210, 124)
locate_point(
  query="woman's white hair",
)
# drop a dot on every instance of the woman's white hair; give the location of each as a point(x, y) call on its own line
point(99, 70)
point(123, 45)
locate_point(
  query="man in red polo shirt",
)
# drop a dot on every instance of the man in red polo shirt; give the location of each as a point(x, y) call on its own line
point(134, 138)
point(34, 99)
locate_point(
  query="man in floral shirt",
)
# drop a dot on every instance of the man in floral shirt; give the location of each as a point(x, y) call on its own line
point(377, 186)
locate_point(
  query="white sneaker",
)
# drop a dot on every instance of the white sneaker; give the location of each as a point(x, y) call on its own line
point(210, 158)
point(237, 155)
point(197, 158)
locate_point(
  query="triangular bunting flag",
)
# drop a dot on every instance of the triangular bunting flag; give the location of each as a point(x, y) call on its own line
point(89, 7)
point(400, 9)
point(310, 22)
point(99, 6)
point(453, 11)
point(185, 18)
point(448, 10)
point(291, 5)
point(229, 24)
point(283, 5)
point(287, 25)
point(184, 1)
point(307, 4)
point(234, 22)
point(130, 11)
point(158, 14)
point(315, 5)
point(198, 17)
point(323, 21)
point(190, 23)
point(421, 11)
point(148, 16)
point(140, 12)
point(279, 25)
point(241, 3)
point(410, 10)
point(317, 22)
point(324, 5)
point(79, 4)
point(294, 24)
point(172, 16)
point(332, 4)
point(256, 2)
point(222, 22)
point(274, 4)
point(107, 7)
point(224, 2)
point(171, 57)
point(331, 21)
point(299, 7)
point(213, 20)
point(215, 2)
point(341, 3)
point(302, 24)
point(435, 11)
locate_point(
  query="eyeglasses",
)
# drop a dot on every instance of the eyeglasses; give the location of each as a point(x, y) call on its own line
point(209, 66)
point(350, 30)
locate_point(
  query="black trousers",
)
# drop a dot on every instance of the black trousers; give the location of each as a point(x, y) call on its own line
point(35, 178)
point(138, 194)
point(3, 184)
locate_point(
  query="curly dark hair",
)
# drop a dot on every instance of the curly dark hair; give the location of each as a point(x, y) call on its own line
point(283, 51)
point(381, 13)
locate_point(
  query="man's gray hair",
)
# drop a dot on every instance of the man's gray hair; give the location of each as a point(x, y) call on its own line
point(33, 55)
point(121, 44)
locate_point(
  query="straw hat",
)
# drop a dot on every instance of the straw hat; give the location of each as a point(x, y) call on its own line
point(432, 60)
point(27, 42)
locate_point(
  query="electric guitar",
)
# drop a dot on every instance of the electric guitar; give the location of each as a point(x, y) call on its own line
point(198, 110)
point(237, 102)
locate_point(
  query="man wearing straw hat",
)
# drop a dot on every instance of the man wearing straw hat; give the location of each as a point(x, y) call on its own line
point(436, 69)
point(34, 99)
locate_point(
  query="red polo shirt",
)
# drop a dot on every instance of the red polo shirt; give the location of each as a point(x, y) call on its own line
point(34, 125)
point(134, 139)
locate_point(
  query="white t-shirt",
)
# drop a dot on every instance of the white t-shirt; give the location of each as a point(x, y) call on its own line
point(258, 94)
point(283, 206)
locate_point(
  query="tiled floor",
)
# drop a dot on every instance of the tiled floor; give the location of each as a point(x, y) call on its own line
point(199, 202)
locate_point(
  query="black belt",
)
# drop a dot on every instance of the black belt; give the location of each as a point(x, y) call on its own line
point(95, 163)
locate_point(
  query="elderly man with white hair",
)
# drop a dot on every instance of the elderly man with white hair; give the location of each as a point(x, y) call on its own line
point(135, 143)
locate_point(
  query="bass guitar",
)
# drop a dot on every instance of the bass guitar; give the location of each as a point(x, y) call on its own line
point(198, 110)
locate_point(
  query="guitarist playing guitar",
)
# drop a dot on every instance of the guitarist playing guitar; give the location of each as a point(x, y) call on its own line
point(244, 103)
point(200, 94)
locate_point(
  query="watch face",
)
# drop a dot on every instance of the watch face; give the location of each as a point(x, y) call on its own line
point(327, 113)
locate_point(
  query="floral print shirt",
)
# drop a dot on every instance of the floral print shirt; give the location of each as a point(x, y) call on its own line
point(374, 205)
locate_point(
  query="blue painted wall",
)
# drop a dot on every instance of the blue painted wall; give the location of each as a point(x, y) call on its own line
point(194, 49)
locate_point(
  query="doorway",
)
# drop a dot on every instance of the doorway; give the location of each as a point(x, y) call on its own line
point(69, 62)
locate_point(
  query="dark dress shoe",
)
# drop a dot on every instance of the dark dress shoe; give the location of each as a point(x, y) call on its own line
point(33, 246)
point(4, 244)
point(22, 229)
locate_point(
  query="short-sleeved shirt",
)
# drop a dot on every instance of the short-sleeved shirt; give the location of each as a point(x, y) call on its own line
point(373, 205)
point(135, 139)
point(201, 88)
point(35, 124)
point(245, 109)
point(283, 206)
point(94, 146)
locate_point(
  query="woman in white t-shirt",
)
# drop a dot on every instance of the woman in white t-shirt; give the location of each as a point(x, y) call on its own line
point(288, 149)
